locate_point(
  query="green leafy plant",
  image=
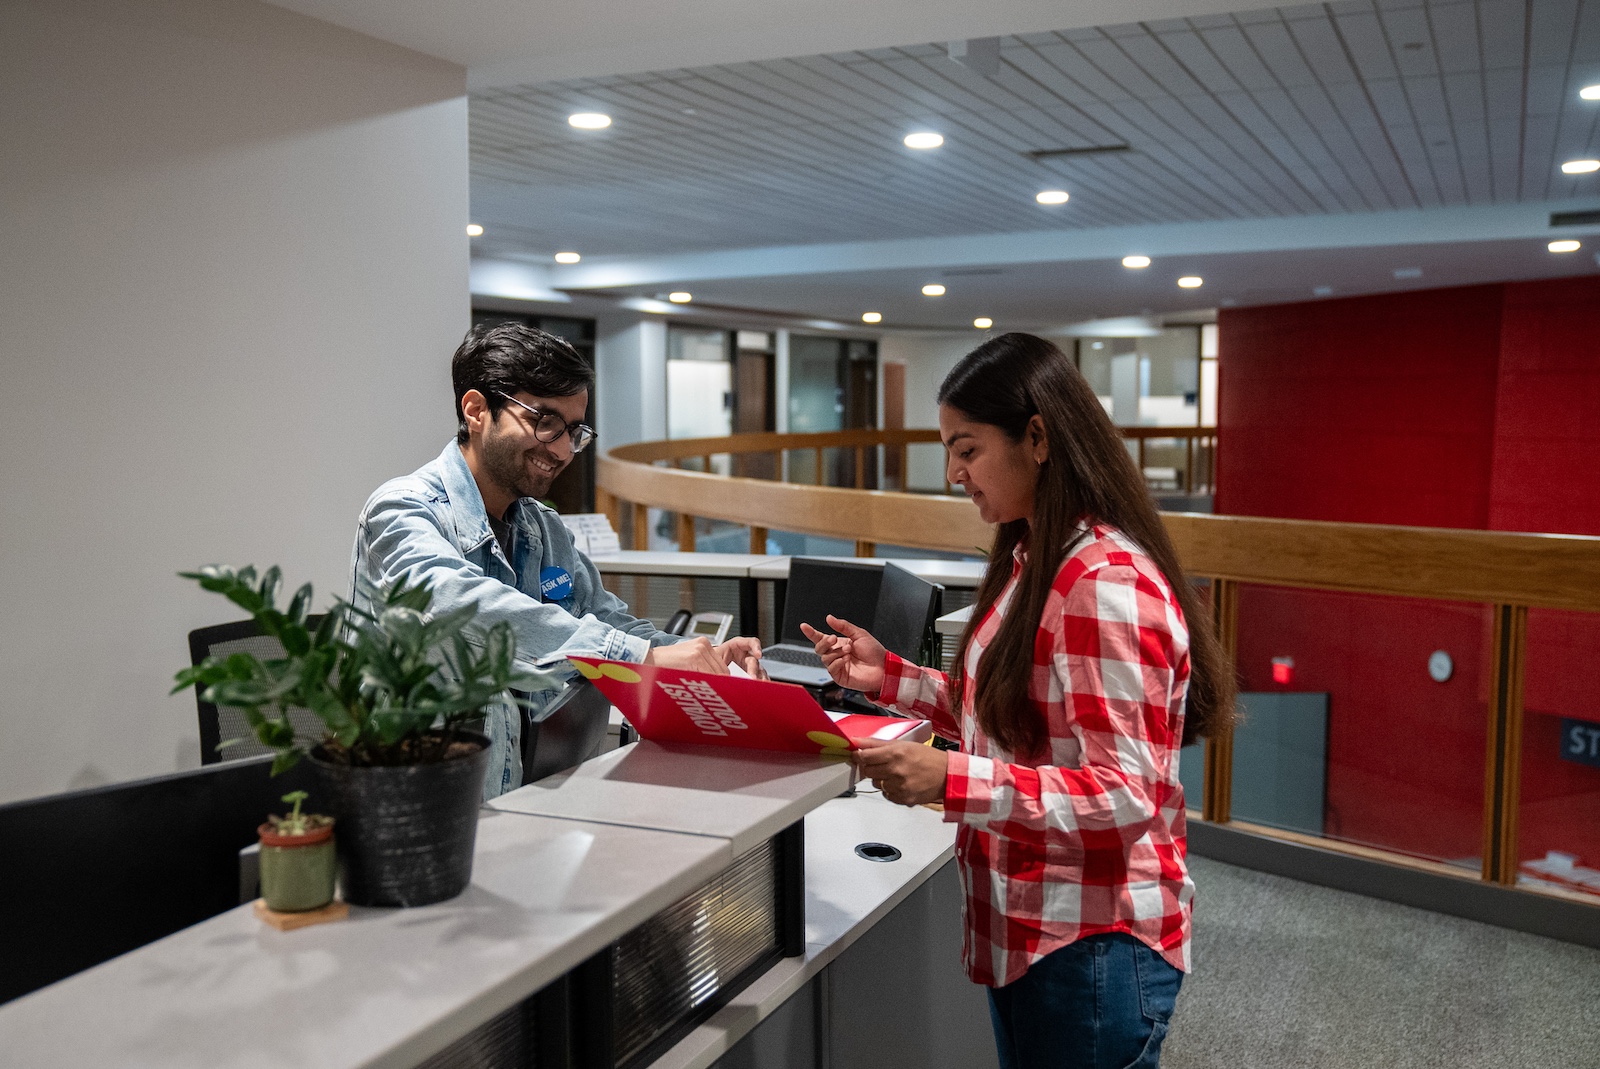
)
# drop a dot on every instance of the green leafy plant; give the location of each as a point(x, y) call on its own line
point(393, 684)
point(298, 823)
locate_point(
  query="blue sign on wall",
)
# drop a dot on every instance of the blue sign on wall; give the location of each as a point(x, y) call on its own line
point(1580, 742)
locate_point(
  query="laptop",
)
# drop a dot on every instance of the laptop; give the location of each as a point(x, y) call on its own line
point(817, 588)
point(904, 610)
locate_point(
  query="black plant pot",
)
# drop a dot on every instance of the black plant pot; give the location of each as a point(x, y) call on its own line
point(405, 831)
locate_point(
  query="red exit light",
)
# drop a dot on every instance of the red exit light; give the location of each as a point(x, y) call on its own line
point(1283, 670)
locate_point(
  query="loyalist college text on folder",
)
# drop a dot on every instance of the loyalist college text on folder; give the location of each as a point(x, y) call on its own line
point(673, 705)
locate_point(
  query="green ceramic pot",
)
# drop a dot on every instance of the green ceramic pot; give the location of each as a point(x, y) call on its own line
point(297, 871)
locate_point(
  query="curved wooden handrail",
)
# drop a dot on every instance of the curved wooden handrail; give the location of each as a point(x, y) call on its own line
point(926, 521)
point(1495, 567)
point(774, 442)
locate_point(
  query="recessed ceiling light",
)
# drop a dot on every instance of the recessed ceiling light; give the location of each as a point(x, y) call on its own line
point(983, 322)
point(1051, 196)
point(933, 289)
point(1580, 166)
point(589, 120)
point(1136, 261)
point(1590, 92)
point(872, 317)
point(1564, 246)
point(924, 139)
point(1322, 291)
point(1191, 282)
point(680, 297)
point(474, 230)
point(1408, 272)
point(567, 257)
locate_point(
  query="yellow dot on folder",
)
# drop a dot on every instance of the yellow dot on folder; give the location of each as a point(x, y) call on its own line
point(828, 740)
point(620, 672)
point(587, 671)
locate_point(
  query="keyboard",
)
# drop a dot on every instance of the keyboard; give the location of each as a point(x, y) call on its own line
point(792, 655)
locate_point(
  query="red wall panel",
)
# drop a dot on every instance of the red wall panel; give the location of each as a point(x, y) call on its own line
point(1368, 409)
point(1476, 407)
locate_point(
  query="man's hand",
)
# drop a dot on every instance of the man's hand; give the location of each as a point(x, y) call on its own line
point(852, 657)
point(744, 652)
point(908, 773)
point(694, 655)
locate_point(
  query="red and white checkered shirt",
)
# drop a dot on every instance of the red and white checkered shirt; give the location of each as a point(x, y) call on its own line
point(1088, 837)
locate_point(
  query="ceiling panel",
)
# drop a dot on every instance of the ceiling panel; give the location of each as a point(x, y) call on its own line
point(1331, 108)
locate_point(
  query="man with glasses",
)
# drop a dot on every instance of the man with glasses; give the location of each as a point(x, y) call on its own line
point(469, 524)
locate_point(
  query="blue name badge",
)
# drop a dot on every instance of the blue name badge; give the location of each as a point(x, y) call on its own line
point(555, 584)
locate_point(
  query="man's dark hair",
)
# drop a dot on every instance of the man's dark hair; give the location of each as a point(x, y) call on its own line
point(510, 358)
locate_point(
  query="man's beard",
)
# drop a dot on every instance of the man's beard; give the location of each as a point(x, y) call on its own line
point(506, 464)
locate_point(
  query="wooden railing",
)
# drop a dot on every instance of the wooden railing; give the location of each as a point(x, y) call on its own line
point(1508, 572)
point(631, 473)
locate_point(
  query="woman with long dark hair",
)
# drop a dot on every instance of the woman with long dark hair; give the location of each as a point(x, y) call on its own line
point(1088, 661)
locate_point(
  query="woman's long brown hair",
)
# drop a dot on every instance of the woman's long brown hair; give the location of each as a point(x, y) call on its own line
point(1089, 477)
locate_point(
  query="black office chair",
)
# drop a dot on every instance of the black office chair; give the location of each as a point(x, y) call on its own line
point(569, 736)
point(219, 725)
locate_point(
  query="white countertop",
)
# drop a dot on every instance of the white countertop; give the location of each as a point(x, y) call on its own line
point(662, 562)
point(385, 988)
point(388, 987)
point(962, 574)
point(744, 796)
point(953, 623)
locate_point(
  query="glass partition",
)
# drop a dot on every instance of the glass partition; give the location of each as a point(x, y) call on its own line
point(1558, 841)
point(1379, 705)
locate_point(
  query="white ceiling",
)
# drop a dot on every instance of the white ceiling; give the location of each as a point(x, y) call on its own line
point(1321, 109)
point(515, 42)
point(758, 132)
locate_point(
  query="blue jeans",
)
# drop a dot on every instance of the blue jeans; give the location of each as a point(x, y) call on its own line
point(1100, 1003)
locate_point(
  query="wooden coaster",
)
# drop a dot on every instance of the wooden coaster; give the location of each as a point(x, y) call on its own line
point(288, 922)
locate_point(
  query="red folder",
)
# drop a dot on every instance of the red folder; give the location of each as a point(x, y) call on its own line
point(672, 705)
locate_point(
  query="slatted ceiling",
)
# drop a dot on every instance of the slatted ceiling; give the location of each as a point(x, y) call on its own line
point(1272, 112)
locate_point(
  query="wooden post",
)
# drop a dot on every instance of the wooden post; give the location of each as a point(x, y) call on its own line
point(641, 526)
point(608, 503)
point(705, 463)
point(1217, 805)
point(1502, 780)
point(865, 548)
point(685, 533)
point(818, 476)
point(861, 473)
point(758, 539)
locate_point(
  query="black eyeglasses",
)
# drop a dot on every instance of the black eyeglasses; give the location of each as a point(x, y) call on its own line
point(548, 426)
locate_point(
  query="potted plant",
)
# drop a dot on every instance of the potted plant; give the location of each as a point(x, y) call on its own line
point(297, 859)
point(394, 686)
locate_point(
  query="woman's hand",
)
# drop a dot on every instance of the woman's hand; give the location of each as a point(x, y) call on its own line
point(908, 773)
point(852, 657)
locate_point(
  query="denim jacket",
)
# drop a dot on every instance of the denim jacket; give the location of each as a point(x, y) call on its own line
point(431, 526)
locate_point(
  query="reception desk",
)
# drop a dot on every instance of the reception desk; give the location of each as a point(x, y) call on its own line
point(563, 869)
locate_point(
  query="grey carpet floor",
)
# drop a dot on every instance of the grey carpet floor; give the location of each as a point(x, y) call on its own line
point(1287, 974)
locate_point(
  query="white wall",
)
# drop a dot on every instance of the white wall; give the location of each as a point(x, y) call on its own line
point(928, 359)
point(232, 269)
point(630, 355)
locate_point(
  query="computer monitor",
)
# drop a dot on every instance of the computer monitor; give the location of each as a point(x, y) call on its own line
point(907, 607)
point(819, 587)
